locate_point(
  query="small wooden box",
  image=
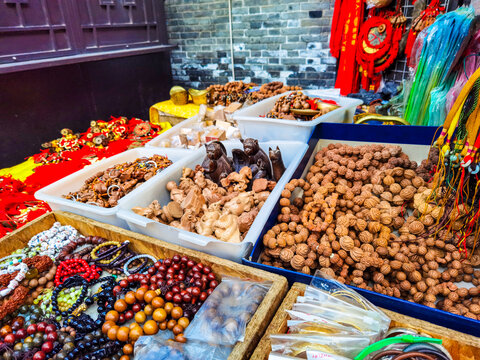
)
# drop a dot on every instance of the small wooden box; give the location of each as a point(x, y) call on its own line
point(461, 346)
point(160, 249)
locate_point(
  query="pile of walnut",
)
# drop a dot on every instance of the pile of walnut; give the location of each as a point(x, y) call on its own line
point(350, 223)
point(269, 90)
point(199, 205)
point(107, 187)
point(234, 91)
point(296, 100)
point(238, 91)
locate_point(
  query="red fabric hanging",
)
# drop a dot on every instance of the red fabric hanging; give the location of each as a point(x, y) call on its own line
point(348, 16)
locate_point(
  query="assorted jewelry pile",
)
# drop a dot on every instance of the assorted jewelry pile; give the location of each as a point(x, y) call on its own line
point(66, 296)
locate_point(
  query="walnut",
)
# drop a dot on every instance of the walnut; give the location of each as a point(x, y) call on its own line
point(385, 269)
point(416, 227)
point(407, 193)
point(356, 254)
point(408, 267)
point(388, 180)
point(302, 250)
point(374, 214)
point(371, 202)
point(395, 188)
point(286, 255)
point(341, 230)
point(365, 237)
point(409, 174)
point(347, 243)
point(378, 189)
point(417, 182)
point(386, 219)
point(398, 200)
point(297, 262)
point(306, 270)
point(387, 196)
point(374, 227)
point(415, 276)
point(360, 224)
point(396, 265)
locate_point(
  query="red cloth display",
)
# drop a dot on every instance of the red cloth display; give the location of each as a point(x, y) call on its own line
point(347, 18)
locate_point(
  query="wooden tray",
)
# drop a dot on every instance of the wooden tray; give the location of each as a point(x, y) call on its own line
point(461, 346)
point(144, 244)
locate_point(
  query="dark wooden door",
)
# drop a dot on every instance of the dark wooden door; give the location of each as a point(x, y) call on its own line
point(37, 29)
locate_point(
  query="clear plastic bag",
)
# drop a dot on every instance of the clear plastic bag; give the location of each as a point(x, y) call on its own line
point(363, 324)
point(161, 347)
point(224, 316)
point(312, 327)
point(346, 346)
point(276, 356)
point(326, 290)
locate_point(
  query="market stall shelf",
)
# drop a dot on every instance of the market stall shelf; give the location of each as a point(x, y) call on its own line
point(253, 123)
point(459, 345)
point(161, 249)
point(52, 194)
point(292, 153)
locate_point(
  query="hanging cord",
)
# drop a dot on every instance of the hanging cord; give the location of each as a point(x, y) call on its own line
point(231, 38)
point(465, 66)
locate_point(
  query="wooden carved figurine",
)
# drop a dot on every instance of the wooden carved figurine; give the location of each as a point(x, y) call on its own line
point(254, 157)
point(216, 164)
point(277, 163)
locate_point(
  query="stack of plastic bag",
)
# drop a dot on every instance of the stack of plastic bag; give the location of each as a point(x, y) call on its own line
point(330, 321)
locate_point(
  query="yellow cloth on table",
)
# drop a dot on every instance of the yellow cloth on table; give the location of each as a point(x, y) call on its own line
point(20, 171)
point(168, 107)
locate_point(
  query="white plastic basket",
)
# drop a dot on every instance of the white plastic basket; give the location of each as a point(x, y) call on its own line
point(156, 142)
point(292, 154)
point(252, 124)
point(52, 193)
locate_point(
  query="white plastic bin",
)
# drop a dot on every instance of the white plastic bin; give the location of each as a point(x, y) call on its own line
point(252, 124)
point(52, 193)
point(157, 141)
point(292, 154)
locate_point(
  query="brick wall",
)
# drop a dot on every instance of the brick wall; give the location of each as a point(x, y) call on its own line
point(282, 40)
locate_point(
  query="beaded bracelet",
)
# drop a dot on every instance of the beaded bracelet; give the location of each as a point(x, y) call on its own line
point(147, 257)
point(11, 262)
point(22, 269)
point(105, 299)
point(70, 282)
point(94, 256)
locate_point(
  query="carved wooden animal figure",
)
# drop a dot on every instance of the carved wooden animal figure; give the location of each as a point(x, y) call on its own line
point(277, 163)
point(216, 164)
point(258, 159)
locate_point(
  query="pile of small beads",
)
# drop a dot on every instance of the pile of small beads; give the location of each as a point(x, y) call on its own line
point(51, 241)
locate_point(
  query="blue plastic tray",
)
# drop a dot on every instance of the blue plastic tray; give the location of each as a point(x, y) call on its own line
point(416, 135)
